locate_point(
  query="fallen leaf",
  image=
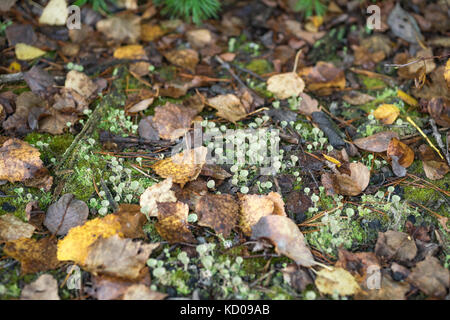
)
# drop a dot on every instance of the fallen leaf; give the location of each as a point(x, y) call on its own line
point(447, 73)
point(229, 107)
point(182, 167)
point(357, 98)
point(386, 113)
point(323, 77)
point(429, 64)
point(65, 214)
point(147, 129)
point(338, 281)
point(439, 109)
point(5, 5)
point(12, 228)
point(38, 79)
point(173, 121)
point(81, 83)
point(355, 183)
point(27, 52)
point(33, 255)
point(407, 98)
point(403, 25)
point(118, 257)
point(378, 142)
point(131, 220)
point(141, 106)
point(297, 278)
point(430, 277)
point(55, 13)
point(254, 207)
point(150, 32)
point(395, 245)
point(389, 290)
point(172, 222)
point(199, 38)
point(25, 102)
point(184, 58)
point(308, 105)
point(159, 192)
point(219, 212)
point(404, 153)
point(215, 171)
point(123, 28)
point(191, 192)
point(286, 236)
point(285, 85)
point(75, 245)
point(142, 292)
point(43, 288)
point(435, 168)
point(134, 52)
point(110, 288)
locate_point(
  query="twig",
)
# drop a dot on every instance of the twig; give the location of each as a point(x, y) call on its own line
point(415, 61)
point(424, 135)
point(437, 136)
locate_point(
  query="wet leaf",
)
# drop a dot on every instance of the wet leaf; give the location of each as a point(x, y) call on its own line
point(285, 85)
point(308, 105)
point(159, 192)
point(12, 228)
point(395, 245)
point(182, 167)
point(75, 245)
point(184, 58)
point(172, 222)
point(65, 214)
point(286, 236)
point(173, 121)
point(131, 220)
point(27, 52)
point(118, 257)
point(355, 183)
point(55, 13)
point(229, 107)
point(404, 153)
point(378, 142)
point(33, 255)
point(338, 281)
point(387, 113)
point(219, 212)
point(435, 168)
point(430, 277)
point(43, 288)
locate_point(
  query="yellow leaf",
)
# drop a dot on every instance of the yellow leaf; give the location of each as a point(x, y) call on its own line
point(447, 73)
point(338, 281)
point(75, 246)
point(333, 160)
point(14, 67)
point(407, 98)
point(129, 52)
point(26, 52)
point(387, 113)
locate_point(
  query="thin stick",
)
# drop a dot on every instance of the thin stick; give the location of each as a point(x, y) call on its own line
point(437, 136)
point(425, 136)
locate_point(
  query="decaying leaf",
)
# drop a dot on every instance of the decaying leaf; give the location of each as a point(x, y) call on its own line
point(111, 288)
point(25, 102)
point(338, 281)
point(141, 105)
point(173, 121)
point(386, 113)
point(172, 222)
point(75, 245)
point(395, 245)
point(285, 85)
point(182, 167)
point(219, 212)
point(159, 192)
point(65, 214)
point(254, 207)
point(185, 58)
point(131, 220)
point(377, 142)
point(323, 77)
point(389, 290)
point(12, 228)
point(214, 171)
point(430, 277)
point(33, 255)
point(151, 32)
point(404, 25)
point(118, 257)
point(191, 192)
point(297, 278)
point(439, 109)
point(404, 153)
point(407, 98)
point(286, 236)
point(125, 27)
point(435, 168)
point(228, 106)
point(355, 183)
point(43, 288)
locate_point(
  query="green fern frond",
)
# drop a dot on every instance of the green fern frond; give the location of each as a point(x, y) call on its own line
point(197, 10)
point(310, 6)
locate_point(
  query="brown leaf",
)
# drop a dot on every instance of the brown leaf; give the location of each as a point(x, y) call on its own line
point(141, 106)
point(395, 245)
point(404, 153)
point(56, 122)
point(33, 255)
point(447, 73)
point(172, 121)
point(297, 278)
point(254, 207)
point(81, 83)
point(159, 192)
point(142, 292)
point(12, 228)
point(215, 171)
point(132, 220)
point(439, 109)
point(150, 32)
point(43, 288)
point(430, 277)
point(118, 257)
point(110, 288)
point(435, 168)
point(338, 281)
point(199, 38)
point(172, 222)
point(357, 98)
point(184, 58)
point(134, 52)
point(24, 103)
point(355, 183)
point(308, 105)
point(285, 85)
point(286, 236)
point(191, 192)
point(182, 167)
point(389, 290)
point(147, 129)
point(377, 142)
point(121, 28)
point(219, 212)
point(65, 214)
point(323, 77)
point(229, 107)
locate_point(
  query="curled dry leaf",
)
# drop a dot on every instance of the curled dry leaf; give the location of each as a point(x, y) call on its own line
point(159, 192)
point(285, 85)
point(75, 245)
point(386, 113)
point(182, 167)
point(228, 106)
point(286, 236)
point(404, 153)
point(43, 288)
point(378, 142)
point(173, 121)
point(118, 257)
point(12, 228)
point(254, 207)
point(395, 245)
point(184, 58)
point(355, 183)
point(219, 212)
point(435, 168)
point(33, 255)
point(172, 222)
point(430, 277)
point(65, 214)
point(338, 281)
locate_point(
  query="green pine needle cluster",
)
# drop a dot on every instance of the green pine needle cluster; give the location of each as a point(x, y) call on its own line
point(197, 10)
point(310, 6)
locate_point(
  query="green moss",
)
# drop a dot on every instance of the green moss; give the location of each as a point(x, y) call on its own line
point(372, 83)
point(260, 66)
point(150, 230)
